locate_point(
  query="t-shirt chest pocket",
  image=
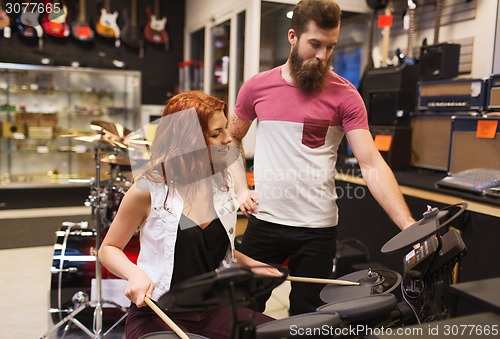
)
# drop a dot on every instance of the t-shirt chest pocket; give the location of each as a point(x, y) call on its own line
point(314, 132)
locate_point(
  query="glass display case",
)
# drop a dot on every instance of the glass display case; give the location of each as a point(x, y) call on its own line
point(220, 58)
point(45, 118)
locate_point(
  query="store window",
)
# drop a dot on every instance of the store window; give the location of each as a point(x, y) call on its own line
point(348, 65)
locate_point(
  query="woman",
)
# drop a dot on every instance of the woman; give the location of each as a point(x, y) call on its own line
point(185, 204)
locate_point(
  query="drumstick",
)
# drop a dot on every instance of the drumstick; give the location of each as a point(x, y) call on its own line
point(166, 319)
point(323, 281)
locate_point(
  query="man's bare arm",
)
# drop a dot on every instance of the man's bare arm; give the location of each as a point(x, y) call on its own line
point(238, 128)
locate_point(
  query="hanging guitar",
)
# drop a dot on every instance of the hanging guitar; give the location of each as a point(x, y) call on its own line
point(107, 26)
point(409, 24)
point(4, 22)
point(387, 18)
point(154, 31)
point(437, 21)
point(131, 35)
point(54, 21)
point(28, 26)
point(80, 28)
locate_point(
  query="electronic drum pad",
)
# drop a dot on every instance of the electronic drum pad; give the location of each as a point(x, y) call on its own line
point(226, 286)
point(376, 281)
point(431, 222)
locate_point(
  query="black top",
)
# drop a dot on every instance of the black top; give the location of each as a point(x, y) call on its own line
point(197, 250)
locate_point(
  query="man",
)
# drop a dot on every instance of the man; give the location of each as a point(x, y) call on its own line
point(304, 109)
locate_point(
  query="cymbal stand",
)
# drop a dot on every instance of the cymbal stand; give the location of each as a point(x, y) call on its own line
point(83, 302)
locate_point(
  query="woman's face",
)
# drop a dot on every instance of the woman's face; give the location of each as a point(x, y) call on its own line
point(218, 137)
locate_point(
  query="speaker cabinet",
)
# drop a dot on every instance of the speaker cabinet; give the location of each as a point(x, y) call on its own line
point(470, 151)
point(389, 94)
point(439, 61)
point(398, 145)
point(493, 97)
point(430, 140)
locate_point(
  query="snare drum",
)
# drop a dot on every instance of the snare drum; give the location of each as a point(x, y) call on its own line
point(73, 266)
point(298, 325)
point(169, 335)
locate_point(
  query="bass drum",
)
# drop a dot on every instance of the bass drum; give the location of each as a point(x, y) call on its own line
point(73, 268)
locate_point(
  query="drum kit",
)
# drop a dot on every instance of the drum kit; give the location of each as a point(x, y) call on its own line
point(355, 305)
point(76, 269)
point(361, 300)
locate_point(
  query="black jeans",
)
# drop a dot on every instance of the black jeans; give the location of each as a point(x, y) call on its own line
point(310, 253)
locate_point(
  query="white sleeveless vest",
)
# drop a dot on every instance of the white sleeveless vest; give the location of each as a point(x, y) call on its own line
point(158, 233)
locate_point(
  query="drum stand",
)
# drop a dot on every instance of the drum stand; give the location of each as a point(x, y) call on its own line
point(80, 298)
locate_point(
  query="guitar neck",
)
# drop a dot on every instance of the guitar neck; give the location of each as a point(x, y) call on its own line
point(4, 18)
point(107, 5)
point(386, 38)
point(437, 20)
point(157, 9)
point(133, 13)
point(411, 32)
point(82, 15)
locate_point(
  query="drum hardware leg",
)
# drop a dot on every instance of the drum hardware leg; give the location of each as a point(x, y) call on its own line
point(241, 329)
point(116, 323)
point(71, 317)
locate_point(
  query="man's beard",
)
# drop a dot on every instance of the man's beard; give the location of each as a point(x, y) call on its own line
point(308, 75)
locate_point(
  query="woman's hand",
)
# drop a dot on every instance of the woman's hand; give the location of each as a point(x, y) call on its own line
point(139, 286)
point(266, 270)
point(250, 204)
point(257, 267)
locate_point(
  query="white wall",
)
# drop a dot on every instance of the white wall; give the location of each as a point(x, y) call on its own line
point(199, 12)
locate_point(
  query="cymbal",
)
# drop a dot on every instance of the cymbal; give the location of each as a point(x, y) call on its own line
point(139, 142)
point(76, 135)
point(425, 227)
point(111, 127)
point(116, 160)
point(102, 139)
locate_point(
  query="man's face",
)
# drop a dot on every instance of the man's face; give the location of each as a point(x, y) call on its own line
point(311, 55)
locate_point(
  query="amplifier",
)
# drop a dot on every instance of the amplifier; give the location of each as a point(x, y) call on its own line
point(451, 95)
point(430, 140)
point(493, 93)
point(394, 144)
point(475, 142)
point(389, 94)
point(439, 61)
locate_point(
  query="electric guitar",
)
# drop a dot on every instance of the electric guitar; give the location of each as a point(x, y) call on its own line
point(131, 35)
point(154, 31)
point(4, 22)
point(55, 24)
point(81, 29)
point(385, 61)
point(28, 26)
point(409, 24)
point(107, 26)
point(437, 21)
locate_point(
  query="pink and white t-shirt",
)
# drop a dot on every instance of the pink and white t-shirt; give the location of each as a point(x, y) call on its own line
point(297, 139)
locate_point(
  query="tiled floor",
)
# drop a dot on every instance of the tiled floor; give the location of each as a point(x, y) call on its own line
point(25, 290)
